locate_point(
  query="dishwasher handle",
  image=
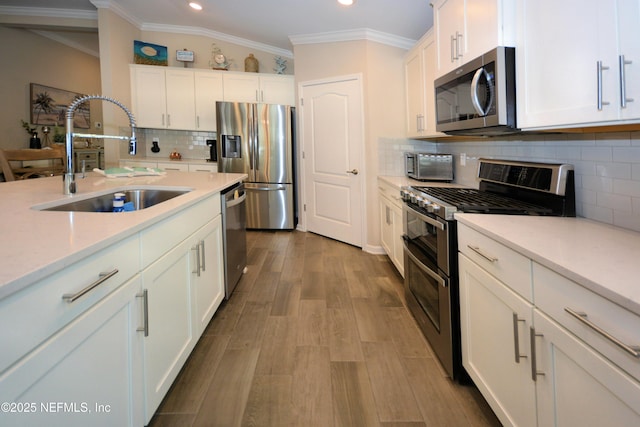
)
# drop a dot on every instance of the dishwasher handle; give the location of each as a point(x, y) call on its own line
point(234, 202)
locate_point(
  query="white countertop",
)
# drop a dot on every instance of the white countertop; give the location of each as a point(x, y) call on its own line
point(35, 244)
point(403, 181)
point(598, 256)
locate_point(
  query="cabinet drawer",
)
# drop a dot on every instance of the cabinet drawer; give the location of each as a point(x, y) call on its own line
point(161, 237)
point(87, 156)
point(40, 310)
point(555, 293)
point(174, 166)
point(502, 262)
point(390, 192)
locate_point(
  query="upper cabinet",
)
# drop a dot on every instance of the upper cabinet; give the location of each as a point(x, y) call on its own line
point(419, 67)
point(163, 98)
point(185, 99)
point(578, 69)
point(465, 29)
point(252, 87)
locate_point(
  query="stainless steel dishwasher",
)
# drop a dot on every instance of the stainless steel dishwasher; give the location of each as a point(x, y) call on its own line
point(234, 236)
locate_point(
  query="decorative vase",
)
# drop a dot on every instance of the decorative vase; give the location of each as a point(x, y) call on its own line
point(251, 64)
point(155, 148)
point(34, 142)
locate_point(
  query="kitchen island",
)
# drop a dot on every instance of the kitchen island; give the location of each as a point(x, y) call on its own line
point(100, 310)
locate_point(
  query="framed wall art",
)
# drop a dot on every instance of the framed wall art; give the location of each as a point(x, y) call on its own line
point(49, 106)
point(149, 53)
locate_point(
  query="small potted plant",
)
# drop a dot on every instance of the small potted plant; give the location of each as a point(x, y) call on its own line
point(34, 141)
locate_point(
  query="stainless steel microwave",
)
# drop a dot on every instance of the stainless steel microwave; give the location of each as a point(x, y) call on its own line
point(429, 166)
point(479, 98)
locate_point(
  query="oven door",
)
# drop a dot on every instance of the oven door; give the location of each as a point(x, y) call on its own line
point(429, 234)
point(428, 298)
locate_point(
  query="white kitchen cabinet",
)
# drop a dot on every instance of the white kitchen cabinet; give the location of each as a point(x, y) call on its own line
point(209, 167)
point(252, 87)
point(208, 90)
point(77, 339)
point(148, 96)
point(176, 165)
point(495, 348)
point(208, 286)
point(183, 280)
point(577, 386)
point(391, 224)
point(466, 29)
point(596, 51)
point(163, 98)
point(419, 66)
point(171, 335)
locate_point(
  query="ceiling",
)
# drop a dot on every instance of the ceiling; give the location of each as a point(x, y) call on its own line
point(268, 22)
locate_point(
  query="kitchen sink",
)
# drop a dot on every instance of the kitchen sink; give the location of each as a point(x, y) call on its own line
point(140, 198)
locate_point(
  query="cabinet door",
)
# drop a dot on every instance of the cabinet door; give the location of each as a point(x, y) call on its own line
point(386, 226)
point(482, 19)
point(181, 107)
point(629, 34)
point(576, 385)
point(208, 287)
point(208, 90)
point(242, 87)
point(89, 373)
point(277, 89)
point(495, 346)
point(557, 46)
point(148, 96)
point(171, 335)
point(451, 36)
point(415, 90)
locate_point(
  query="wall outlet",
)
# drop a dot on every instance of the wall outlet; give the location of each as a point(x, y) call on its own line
point(463, 159)
point(156, 140)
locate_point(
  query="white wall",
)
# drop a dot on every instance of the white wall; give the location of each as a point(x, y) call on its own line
point(383, 93)
point(31, 58)
point(607, 167)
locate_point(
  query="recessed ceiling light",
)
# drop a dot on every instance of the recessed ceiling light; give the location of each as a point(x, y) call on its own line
point(195, 5)
point(346, 2)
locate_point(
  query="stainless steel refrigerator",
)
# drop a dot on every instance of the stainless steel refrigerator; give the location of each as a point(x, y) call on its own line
point(258, 139)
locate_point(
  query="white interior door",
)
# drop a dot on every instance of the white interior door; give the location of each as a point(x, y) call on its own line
point(332, 141)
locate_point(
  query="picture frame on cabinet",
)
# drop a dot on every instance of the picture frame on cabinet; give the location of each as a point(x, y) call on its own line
point(149, 53)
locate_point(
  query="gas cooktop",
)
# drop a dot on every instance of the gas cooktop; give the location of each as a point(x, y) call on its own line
point(506, 187)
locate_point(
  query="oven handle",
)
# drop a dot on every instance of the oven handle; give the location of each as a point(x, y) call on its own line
point(442, 226)
point(426, 270)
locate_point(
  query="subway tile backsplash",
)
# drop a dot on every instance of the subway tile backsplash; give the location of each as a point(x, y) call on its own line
point(607, 166)
point(190, 144)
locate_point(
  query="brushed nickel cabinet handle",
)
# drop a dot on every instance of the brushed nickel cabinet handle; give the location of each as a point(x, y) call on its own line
point(479, 251)
point(145, 312)
point(196, 248)
point(633, 350)
point(202, 255)
point(600, 68)
point(534, 368)
point(516, 338)
point(102, 277)
point(623, 82)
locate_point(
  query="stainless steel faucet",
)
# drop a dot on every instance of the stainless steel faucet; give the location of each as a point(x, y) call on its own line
point(69, 178)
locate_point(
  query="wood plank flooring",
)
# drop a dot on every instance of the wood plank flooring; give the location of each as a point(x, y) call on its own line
point(316, 334)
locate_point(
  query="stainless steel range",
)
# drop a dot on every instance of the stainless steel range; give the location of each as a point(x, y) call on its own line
point(430, 238)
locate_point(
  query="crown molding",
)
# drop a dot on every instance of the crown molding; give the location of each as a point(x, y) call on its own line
point(118, 10)
point(199, 31)
point(48, 12)
point(351, 35)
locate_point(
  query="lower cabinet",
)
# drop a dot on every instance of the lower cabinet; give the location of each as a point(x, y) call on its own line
point(575, 385)
point(184, 288)
point(391, 224)
point(495, 348)
point(88, 373)
point(533, 361)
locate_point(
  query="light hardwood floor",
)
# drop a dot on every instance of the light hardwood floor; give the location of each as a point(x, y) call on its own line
point(316, 334)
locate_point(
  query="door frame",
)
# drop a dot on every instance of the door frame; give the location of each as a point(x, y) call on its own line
point(302, 222)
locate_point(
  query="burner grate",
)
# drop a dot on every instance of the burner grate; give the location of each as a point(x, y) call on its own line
point(472, 200)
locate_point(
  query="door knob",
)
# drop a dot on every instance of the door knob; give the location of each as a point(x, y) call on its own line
point(353, 171)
